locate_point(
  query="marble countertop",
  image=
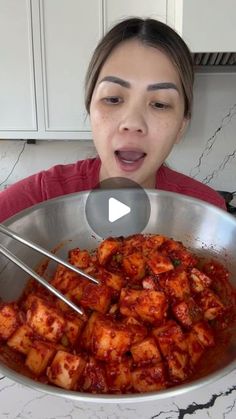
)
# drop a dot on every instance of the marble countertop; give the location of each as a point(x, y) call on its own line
point(216, 400)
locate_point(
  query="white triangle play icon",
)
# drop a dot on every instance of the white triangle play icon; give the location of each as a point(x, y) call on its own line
point(116, 209)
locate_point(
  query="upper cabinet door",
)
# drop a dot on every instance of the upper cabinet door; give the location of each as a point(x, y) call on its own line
point(115, 10)
point(17, 98)
point(210, 26)
point(206, 26)
point(70, 30)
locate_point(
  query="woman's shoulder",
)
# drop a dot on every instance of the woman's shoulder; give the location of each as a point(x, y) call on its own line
point(171, 180)
point(57, 181)
point(85, 170)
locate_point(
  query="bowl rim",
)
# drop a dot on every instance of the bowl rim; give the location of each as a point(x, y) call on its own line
point(150, 191)
point(178, 390)
point(118, 398)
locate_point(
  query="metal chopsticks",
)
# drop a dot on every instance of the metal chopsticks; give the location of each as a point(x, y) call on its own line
point(50, 255)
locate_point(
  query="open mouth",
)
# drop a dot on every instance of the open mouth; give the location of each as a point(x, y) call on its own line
point(129, 156)
point(129, 160)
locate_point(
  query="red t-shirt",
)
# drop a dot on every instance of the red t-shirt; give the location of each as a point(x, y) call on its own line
point(84, 175)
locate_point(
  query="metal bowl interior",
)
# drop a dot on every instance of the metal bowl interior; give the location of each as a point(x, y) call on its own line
point(61, 223)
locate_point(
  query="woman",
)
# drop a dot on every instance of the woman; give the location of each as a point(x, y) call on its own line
point(139, 97)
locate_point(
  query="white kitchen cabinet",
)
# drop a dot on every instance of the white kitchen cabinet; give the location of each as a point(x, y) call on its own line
point(206, 26)
point(70, 31)
point(17, 84)
point(45, 47)
point(115, 11)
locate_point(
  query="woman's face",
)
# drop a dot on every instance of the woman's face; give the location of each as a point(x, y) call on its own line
point(136, 112)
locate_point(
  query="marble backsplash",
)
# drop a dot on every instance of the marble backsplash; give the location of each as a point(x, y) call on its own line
point(207, 152)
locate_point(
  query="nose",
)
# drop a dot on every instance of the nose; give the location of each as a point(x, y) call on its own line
point(133, 121)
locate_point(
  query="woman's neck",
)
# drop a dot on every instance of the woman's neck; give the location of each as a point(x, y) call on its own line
point(149, 183)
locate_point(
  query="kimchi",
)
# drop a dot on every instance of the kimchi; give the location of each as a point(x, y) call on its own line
point(158, 311)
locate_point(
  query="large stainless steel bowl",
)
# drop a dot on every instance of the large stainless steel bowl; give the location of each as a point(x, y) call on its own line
point(202, 227)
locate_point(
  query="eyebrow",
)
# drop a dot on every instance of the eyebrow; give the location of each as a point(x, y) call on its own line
point(150, 87)
point(164, 85)
point(116, 80)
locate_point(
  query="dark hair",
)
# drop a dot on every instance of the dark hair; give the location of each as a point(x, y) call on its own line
point(152, 33)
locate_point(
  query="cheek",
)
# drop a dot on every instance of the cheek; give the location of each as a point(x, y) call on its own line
point(163, 131)
point(95, 116)
point(100, 121)
point(169, 130)
point(101, 130)
point(164, 137)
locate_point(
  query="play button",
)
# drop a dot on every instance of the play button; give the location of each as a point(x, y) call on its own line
point(117, 210)
point(117, 207)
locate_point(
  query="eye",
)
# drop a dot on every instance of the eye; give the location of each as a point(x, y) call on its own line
point(159, 105)
point(112, 100)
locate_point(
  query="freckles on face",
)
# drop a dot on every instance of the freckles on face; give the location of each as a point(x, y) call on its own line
point(101, 123)
point(136, 112)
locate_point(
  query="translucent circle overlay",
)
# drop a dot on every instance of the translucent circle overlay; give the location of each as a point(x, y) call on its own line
point(123, 191)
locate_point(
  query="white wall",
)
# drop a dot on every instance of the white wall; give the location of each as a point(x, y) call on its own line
point(208, 151)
